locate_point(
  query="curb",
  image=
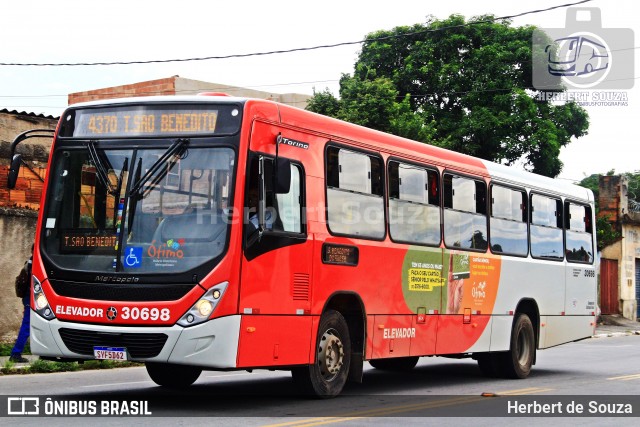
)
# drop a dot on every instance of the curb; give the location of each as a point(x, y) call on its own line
point(615, 334)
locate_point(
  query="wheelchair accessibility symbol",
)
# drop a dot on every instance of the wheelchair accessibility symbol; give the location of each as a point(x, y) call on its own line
point(133, 257)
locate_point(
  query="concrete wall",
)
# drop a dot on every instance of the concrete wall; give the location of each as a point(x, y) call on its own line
point(19, 207)
point(16, 232)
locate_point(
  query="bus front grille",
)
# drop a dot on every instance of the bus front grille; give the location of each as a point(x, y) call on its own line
point(138, 345)
point(114, 292)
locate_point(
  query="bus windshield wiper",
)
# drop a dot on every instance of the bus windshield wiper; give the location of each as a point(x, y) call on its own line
point(133, 203)
point(123, 172)
point(156, 172)
point(101, 170)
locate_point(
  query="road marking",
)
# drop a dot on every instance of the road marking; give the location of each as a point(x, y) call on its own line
point(626, 377)
point(531, 390)
point(310, 422)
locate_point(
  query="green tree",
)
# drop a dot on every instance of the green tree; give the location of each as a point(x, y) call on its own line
point(468, 87)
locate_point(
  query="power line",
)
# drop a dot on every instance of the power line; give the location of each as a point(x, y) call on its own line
point(301, 49)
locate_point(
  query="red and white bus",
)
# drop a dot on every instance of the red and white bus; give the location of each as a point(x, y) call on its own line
point(219, 233)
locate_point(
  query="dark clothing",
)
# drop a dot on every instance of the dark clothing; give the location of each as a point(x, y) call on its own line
point(23, 290)
point(23, 334)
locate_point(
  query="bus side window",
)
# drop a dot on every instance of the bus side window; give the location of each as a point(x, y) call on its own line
point(290, 204)
point(465, 220)
point(578, 233)
point(284, 212)
point(508, 224)
point(546, 228)
point(355, 202)
point(414, 204)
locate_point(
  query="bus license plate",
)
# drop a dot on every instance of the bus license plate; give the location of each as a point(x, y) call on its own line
point(110, 353)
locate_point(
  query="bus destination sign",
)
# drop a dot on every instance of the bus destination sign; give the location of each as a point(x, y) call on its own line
point(339, 254)
point(87, 241)
point(147, 122)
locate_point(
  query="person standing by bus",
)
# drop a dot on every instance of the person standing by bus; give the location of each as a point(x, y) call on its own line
point(23, 290)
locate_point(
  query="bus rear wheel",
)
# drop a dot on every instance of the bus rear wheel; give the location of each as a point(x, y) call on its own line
point(395, 364)
point(328, 375)
point(171, 375)
point(522, 351)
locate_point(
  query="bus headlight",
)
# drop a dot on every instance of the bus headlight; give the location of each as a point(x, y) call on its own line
point(204, 307)
point(41, 303)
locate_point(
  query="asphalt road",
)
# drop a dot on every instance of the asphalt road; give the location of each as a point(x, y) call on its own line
point(604, 370)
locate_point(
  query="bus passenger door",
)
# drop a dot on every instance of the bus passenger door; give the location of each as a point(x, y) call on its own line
point(276, 270)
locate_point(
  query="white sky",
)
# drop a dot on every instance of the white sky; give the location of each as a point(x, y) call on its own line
point(83, 31)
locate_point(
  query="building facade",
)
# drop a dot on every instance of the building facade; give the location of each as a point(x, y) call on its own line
point(19, 207)
point(177, 85)
point(620, 261)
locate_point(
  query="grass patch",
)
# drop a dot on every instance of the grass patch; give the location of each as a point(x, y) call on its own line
point(6, 347)
point(47, 366)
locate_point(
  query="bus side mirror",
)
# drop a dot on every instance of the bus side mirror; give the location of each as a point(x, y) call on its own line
point(283, 176)
point(16, 161)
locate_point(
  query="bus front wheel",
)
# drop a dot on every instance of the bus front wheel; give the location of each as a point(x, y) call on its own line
point(171, 375)
point(328, 375)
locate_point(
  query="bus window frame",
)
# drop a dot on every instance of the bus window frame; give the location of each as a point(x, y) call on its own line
point(486, 207)
point(374, 154)
point(527, 221)
point(427, 168)
point(531, 224)
point(565, 229)
point(255, 155)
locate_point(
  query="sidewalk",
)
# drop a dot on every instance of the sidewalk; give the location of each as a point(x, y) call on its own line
point(608, 326)
point(616, 325)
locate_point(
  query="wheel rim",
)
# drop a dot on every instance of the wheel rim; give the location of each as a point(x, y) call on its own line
point(330, 355)
point(524, 347)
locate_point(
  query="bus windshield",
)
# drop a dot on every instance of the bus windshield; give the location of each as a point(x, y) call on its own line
point(176, 219)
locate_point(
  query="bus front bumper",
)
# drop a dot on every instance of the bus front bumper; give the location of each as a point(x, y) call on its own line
point(213, 344)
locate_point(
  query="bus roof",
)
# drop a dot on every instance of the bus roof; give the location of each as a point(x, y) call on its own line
point(379, 141)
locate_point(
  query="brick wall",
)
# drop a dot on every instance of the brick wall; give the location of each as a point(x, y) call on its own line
point(609, 197)
point(35, 154)
point(165, 86)
point(28, 188)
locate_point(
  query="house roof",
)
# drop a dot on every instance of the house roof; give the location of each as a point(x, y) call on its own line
point(24, 113)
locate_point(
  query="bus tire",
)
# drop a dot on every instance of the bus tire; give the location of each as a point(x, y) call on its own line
point(522, 350)
point(171, 375)
point(395, 364)
point(328, 375)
